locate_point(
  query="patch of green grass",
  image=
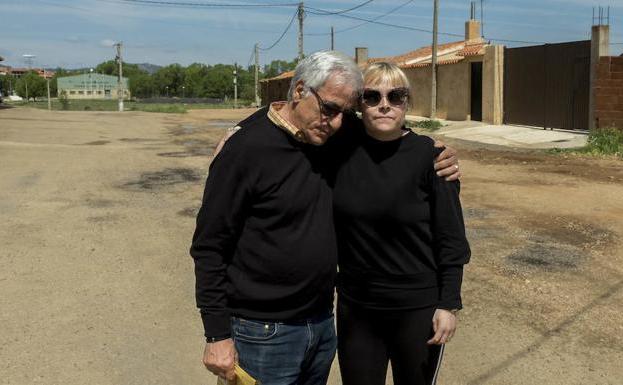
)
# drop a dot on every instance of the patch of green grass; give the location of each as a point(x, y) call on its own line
point(606, 141)
point(112, 105)
point(157, 107)
point(430, 125)
point(601, 142)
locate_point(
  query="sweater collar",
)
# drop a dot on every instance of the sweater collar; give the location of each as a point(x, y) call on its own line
point(282, 123)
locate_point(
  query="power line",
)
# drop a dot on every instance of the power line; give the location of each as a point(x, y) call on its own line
point(514, 41)
point(314, 12)
point(251, 58)
point(327, 13)
point(374, 21)
point(284, 32)
point(366, 22)
point(128, 16)
point(201, 5)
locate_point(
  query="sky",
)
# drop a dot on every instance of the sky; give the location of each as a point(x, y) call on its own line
point(81, 33)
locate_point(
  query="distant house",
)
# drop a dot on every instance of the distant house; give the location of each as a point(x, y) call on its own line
point(19, 72)
point(469, 78)
point(92, 86)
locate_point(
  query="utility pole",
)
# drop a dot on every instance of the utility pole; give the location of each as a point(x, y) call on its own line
point(120, 90)
point(433, 90)
point(235, 85)
point(332, 39)
point(301, 15)
point(49, 100)
point(257, 65)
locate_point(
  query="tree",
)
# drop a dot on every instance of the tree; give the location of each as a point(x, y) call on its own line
point(220, 81)
point(32, 84)
point(246, 84)
point(169, 80)
point(142, 86)
point(277, 67)
point(6, 84)
point(111, 67)
point(195, 80)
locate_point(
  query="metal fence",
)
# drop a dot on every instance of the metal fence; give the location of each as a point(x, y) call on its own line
point(548, 85)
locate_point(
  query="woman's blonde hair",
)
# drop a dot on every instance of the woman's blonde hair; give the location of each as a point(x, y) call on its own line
point(383, 72)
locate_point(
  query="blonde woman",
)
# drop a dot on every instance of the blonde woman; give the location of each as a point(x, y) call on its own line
point(401, 242)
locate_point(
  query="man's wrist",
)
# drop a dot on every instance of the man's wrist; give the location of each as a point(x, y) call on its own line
point(222, 337)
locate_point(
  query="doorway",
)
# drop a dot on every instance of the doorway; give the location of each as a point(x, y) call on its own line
point(476, 92)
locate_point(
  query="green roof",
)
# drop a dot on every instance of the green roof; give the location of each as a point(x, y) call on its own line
point(90, 81)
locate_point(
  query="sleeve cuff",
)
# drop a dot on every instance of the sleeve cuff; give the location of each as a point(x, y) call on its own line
point(450, 293)
point(216, 327)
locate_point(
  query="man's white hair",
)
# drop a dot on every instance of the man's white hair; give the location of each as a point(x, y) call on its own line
point(317, 68)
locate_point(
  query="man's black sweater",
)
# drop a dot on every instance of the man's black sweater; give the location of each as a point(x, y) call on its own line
point(264, 246)
point(400, 232)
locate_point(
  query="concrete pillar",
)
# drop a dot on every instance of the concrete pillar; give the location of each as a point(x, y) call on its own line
point(361, 55)
point(493, 85)
point(600, 46)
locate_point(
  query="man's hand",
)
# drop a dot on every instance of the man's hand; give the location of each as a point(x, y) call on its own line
point(219, 357)
point(444, 325)
point(447, 163)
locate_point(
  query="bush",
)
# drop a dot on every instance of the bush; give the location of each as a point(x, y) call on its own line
point(606, 141)
point(430, 125)
point(64, 100)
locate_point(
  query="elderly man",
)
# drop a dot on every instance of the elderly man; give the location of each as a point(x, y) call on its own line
point(264, 247)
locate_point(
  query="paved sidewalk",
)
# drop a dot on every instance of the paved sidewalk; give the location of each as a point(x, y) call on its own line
point(511, 136)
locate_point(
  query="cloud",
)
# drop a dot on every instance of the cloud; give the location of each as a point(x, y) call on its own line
point(107, 43)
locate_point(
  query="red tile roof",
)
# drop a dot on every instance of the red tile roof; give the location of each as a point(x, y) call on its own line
point(472, 50)
point(428, 64)
point(419, 53)
point(457, 49)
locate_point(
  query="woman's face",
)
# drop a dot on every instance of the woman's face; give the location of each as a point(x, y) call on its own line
point(383, 107)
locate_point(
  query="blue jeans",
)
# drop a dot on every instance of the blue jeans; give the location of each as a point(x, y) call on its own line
point(278, 353)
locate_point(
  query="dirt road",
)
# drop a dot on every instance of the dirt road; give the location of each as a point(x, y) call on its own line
point(97, 286)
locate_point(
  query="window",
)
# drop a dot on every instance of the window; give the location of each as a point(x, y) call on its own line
point(72, 92)
point(89, 92)
point(80, 92)
point(107, 92)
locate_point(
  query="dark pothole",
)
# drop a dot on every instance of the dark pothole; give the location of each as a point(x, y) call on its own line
point(546, 255)
point(164, 178)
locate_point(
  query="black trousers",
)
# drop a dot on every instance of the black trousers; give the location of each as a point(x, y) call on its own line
point(369, 339)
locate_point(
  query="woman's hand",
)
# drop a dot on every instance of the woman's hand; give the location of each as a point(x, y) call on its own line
point(219, 146)
point(444, 325)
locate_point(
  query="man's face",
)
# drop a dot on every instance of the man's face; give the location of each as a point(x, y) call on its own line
point(319, 112)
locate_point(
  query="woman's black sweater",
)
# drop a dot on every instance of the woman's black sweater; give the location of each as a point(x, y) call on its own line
point(400, 231)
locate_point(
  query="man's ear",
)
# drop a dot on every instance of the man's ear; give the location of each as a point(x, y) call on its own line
point(299, 91)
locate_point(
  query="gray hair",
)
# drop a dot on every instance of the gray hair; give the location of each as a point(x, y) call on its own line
point(316, 69)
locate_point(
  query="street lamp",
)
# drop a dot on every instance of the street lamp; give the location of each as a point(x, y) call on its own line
point(166, 88)
point(183, 92)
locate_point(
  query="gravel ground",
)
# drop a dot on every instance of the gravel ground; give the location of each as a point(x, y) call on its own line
point(97, 284)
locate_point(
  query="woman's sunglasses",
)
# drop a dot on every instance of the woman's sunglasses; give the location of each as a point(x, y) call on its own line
point(395, 97)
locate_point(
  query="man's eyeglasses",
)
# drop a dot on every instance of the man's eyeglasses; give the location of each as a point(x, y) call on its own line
point(395, 97)
point(328, 109)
